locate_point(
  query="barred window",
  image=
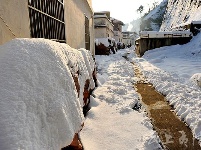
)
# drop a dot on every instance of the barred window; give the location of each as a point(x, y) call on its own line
point(47, 19)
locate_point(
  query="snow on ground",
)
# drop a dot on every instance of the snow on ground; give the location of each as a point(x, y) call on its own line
point(183, 60)
point(39, 104)
point(173, 70)
point(112, 123)
point(170, 70)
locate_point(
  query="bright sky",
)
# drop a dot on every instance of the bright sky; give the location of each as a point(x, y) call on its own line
point(124, 10)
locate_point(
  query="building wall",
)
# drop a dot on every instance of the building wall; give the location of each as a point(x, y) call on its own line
point(75, 11)
point(14, 20)
point(100, 32)
point(126, 40)
point(118, 36)
point(103, 28)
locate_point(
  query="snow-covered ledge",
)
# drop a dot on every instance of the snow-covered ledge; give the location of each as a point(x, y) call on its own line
point(40, 106)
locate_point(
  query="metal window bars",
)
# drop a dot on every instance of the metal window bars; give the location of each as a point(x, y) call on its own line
point(47, 19)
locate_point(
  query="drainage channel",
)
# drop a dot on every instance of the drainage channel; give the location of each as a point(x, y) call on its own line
point(173, 133)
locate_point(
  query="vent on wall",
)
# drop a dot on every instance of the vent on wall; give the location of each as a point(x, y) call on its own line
point(47, 19)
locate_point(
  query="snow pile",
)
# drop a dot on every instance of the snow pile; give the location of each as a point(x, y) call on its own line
point(180, 13)
point(196, 78)
point(81, 65)
point(183, 60)
point(39, 106)
point(112, 123)
point(89, 62)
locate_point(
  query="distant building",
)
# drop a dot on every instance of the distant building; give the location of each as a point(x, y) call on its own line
point(129, 37)
point(103, 26)
point(68, 21)
point(118, 36)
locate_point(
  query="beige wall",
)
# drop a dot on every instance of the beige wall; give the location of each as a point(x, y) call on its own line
point(126, 40)
point(75, 11)
point(118, 35)
point(90, 3)
point(14, 20)
point(100, 32)
point(103, 32)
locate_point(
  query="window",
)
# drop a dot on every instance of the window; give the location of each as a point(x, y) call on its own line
point(87, 34)
point(47, 19)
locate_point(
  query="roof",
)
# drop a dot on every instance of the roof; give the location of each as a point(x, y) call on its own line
point(116, 21)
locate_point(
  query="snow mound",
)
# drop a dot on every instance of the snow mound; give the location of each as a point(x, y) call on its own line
point(90, 64)
point(196, 78)
point(39, 105)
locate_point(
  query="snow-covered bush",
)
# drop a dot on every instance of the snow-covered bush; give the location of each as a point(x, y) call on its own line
point(39, 104)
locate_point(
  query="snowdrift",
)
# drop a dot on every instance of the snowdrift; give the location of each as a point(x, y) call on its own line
point(39, 105)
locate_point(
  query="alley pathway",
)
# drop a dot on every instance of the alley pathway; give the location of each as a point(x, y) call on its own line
point(173, 133)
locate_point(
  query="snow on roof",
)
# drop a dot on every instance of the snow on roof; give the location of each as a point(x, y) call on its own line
point(116, 21)
point(156, 34)
point(39, 106)
point(100, 16)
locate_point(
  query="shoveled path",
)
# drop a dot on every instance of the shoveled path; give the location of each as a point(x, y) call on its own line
point(173, 133)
